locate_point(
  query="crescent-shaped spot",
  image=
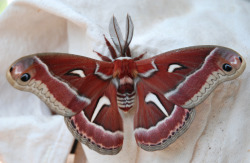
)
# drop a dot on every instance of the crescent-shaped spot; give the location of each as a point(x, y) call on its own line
point(102, 102)
point(76, 72)
point(80, 73)
point(174, 67)
point(153, 98)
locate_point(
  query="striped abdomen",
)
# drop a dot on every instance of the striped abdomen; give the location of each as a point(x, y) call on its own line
point(125, 101)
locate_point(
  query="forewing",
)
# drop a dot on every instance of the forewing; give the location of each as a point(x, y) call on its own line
point(66, 83)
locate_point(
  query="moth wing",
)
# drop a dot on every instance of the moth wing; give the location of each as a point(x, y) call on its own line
point(158, 122)
point(187, 76)
point(79, 88)
point(101, 130)
point(172, 84)
point(66, 83)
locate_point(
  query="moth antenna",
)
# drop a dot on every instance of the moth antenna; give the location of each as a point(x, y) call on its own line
point(129, 35)
point(116, 35)
point(128, 52)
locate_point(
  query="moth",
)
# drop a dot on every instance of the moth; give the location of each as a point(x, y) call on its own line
point(92, 94)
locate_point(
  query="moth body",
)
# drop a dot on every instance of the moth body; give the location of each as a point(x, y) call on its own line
point(125, 72)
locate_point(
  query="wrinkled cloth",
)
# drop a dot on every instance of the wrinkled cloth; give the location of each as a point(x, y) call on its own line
point(220, 131)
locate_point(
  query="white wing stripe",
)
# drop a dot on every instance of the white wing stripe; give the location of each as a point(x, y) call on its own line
point(153, 98)
point(103, 101)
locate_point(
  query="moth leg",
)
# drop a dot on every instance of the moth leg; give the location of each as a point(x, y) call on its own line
point(111, 48)
point(104, 58)
point(139, 57)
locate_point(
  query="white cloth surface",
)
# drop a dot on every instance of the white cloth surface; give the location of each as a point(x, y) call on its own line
point(220, 131)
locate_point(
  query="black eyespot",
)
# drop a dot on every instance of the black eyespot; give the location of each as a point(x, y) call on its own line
point(240, 59)
point(227, 67)
point(11, 69)
point(25, 77)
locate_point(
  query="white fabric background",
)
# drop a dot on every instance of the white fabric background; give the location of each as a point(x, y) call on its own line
point(220, 131)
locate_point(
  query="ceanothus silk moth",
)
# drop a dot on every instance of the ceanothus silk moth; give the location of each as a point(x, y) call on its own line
point(89, 93)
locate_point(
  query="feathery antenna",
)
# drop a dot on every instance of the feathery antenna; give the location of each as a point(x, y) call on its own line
point(117, 38)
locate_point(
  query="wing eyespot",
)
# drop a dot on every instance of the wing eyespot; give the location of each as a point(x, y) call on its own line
point(25, 77)
point(240, 59)
point(227, 67)
point(11, 69)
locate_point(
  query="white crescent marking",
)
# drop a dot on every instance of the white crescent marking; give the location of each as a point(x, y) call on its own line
point(103, 101)
point(153, 98)
point(78, 72)
point(173, 67)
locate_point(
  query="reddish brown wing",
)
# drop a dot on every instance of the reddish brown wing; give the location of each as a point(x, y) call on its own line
point(171, 85)
point(158, 122)
point(104, 131)
point(80, 89)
